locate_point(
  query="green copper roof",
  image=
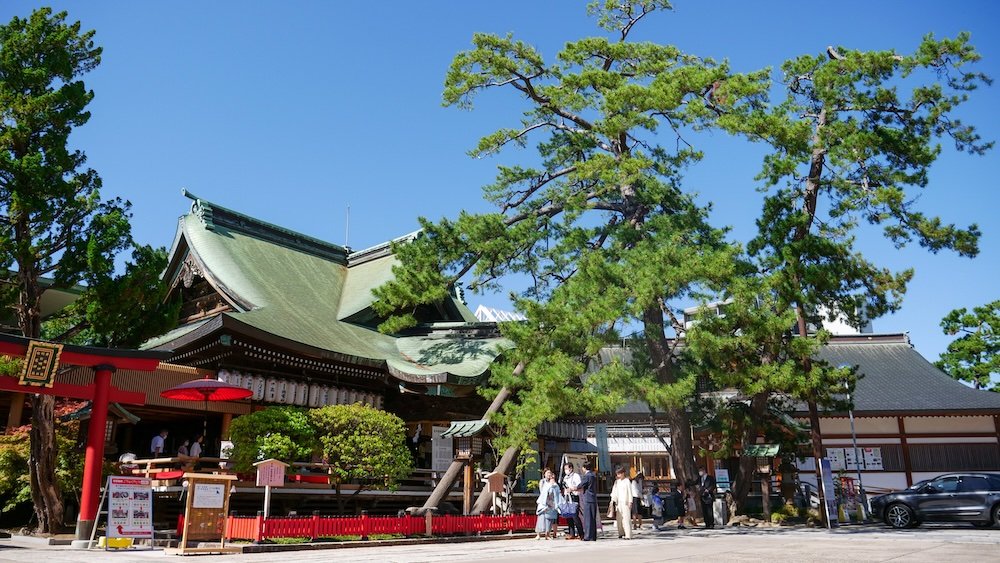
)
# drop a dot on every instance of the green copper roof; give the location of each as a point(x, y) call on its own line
point(761, 450)
point(300, 289)
point(464, 428)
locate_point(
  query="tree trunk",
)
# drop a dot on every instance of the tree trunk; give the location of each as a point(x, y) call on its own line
point(42, 465)
point(748, 465)
point(506, 465)
point(45, 492)
point(681, 442)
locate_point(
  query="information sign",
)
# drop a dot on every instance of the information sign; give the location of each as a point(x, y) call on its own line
point(130, 507)
point(722, 480)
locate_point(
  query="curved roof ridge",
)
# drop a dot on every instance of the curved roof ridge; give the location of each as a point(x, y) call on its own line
point(214, 215)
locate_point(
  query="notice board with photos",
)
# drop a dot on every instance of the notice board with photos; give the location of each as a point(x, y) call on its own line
point(205, 512)
point(130, 507)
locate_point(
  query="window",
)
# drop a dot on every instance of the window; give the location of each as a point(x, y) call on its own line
point(946, 485)
point(972, 484)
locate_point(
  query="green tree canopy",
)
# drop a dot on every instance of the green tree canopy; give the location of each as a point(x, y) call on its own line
point(852, 142)
point(283, 433)
point(597, 221)
point(362, 444)
point(974, 356)
point(54, 221)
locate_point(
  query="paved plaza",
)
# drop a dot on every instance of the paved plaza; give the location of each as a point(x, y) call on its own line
point(871, 543)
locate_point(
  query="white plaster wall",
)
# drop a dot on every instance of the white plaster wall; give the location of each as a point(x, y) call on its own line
point(961, 440)
point(861, 441)
point(862, 425)
point(948, 424)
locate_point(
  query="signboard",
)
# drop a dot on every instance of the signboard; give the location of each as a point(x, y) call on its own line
point(722, 483)
point(270, 473)
point(209, 495)
point(130, 507)
point(40, 364)
point(845, 459)
point(205, 513)
point(442, 451)
point(829, 494)
point(872, 458)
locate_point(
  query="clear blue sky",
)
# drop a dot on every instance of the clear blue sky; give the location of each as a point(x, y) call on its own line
point(291, 111)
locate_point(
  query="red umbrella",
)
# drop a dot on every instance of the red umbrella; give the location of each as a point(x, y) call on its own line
point(206, 390)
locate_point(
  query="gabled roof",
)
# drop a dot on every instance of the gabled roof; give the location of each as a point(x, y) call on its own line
point(893, 377)
point(297, 291)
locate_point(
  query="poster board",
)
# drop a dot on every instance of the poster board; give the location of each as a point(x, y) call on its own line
point(442, 450)
point(130, 507)
point(845, 459)
point(205, 512)
point(829, 495)
point(722, 483)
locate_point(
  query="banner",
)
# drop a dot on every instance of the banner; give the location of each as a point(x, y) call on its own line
point(130, 507)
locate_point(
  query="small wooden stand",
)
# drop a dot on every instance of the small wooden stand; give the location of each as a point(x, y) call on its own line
point(205, 512)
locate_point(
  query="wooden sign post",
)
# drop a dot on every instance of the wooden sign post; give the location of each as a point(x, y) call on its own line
point(205, 512)
point(270, 473)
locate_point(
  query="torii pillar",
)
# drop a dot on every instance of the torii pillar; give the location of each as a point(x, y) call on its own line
point(104, 362)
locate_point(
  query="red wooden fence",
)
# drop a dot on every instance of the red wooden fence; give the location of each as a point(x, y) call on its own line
point(256, 528)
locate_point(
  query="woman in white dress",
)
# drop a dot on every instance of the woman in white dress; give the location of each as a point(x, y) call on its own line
point(546, 505)
point(621, 504)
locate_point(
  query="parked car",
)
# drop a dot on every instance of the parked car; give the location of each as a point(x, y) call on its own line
point(954, 497)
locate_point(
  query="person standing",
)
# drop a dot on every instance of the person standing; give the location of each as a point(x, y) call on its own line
point(621, 504)
point(707, 484)
point(196, 446)
point(571, 488)
point(588, 502)
point(689, 510)
point(156, 447)
point(184, 449)
point(637, 485)
point(546, 503)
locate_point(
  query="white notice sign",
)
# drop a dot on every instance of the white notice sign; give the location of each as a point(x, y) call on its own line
point(873, 458)
point(130, 507)
point(208, 496)
point(442, 453)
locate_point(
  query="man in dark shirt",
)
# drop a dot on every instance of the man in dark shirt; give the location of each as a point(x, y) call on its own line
point(707, 484)
point(588, 502)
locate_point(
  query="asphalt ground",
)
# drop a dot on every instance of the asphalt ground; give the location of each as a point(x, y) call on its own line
point(930, 543)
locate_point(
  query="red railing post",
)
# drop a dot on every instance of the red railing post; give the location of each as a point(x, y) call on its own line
point(315, 525)
point(364, 524)
point(261, 523)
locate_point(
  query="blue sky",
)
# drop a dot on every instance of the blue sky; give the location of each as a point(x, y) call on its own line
point(291, 111)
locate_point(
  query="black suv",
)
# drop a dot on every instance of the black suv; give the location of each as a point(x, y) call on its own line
point(955, 497)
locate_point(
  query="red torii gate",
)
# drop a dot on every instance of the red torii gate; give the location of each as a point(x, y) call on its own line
point(104, 362)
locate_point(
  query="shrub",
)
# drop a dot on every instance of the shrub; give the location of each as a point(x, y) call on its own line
point(282, 433)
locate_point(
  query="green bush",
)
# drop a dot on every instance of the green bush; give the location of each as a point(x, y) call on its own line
point(362, 443)
point(283, 433)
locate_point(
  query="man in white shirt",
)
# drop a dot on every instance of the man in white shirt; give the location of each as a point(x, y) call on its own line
point(156, 446)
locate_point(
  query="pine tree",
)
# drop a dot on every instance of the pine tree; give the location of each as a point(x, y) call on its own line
point(600, 226)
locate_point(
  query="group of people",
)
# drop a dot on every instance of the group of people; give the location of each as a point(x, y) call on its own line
point(574, 497)
point(188, 448)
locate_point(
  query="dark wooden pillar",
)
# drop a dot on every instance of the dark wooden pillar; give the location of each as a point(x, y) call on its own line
point(906, 451)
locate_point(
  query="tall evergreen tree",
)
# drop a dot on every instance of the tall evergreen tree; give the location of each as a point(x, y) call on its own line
point(54, 222)
point(852, 141)
point(974, 356)
point(600, 225)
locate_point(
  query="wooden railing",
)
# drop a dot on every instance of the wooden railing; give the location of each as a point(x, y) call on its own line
point(315, 527)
